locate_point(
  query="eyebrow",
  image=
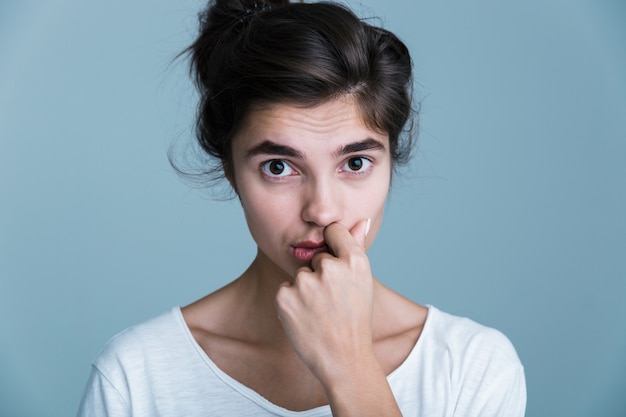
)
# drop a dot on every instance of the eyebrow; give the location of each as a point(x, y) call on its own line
point(364, 145)
point(271, 148)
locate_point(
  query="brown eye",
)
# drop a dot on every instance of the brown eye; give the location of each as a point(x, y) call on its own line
point(277, 168)
point(355, 164)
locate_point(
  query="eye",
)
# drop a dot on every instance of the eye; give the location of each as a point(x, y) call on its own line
point(277, 168)
point(357, 164)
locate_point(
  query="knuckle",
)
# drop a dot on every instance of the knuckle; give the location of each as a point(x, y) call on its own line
point(306, 283)
point(282, 296)
point(302, 270)
point(356, 259)
point(360, 266)
point(302, 280)
point(326, 263)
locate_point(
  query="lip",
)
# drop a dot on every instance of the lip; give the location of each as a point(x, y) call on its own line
point(305, 251)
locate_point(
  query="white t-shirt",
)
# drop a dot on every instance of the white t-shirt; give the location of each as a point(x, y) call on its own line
point(457, 368)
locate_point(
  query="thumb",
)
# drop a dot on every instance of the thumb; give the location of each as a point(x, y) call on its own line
point(359, 232)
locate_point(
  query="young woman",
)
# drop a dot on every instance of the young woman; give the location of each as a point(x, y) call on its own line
point(304, 108)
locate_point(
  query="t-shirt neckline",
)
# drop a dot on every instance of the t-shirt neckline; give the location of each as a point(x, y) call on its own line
point(263, 402)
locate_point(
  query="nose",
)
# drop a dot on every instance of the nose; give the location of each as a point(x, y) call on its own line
point(322, 203)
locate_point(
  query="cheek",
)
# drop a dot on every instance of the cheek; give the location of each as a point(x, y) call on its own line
point(375, 209)
point(377, 220)
point(256, 211)
point(265, 213)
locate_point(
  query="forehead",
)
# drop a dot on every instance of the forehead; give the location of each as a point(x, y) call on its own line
point(335, 121)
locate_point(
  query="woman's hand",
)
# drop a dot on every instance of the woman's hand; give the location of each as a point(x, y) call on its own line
point(327, 315)
point(327, 310)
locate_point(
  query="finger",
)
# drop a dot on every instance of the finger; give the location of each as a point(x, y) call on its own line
point(281, 294)
point(303, 269)
point(299, 271)
point(359, 232)
point(317, 260)
point(341, 241)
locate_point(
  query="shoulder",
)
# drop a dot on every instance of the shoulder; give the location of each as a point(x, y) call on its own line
point(143, 342)
point(463, 338)
point(483, 367)
point(473, 355)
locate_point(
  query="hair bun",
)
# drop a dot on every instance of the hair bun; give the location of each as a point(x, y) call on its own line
point(222, 20)
point(227, 12)
point(249, 6)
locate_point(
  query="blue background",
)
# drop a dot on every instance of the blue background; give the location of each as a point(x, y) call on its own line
point(512, 211)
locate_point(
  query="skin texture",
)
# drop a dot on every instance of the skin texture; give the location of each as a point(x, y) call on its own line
point(307, 324)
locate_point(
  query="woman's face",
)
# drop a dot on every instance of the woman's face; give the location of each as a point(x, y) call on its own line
point(297, 170)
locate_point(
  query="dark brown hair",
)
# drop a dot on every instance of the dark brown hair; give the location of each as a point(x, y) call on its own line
point(270, 52)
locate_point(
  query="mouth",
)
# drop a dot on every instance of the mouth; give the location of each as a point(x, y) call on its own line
point(305, 251)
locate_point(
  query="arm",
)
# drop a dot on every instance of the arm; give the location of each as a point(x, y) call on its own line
point(362, 391)
point(327, 315)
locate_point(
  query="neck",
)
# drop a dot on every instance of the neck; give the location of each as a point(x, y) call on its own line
point(259, 284)
point(256, 294)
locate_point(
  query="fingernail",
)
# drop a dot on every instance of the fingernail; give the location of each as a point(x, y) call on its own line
point(367, 226)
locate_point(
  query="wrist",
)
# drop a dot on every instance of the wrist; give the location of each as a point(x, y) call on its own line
point(361, 390)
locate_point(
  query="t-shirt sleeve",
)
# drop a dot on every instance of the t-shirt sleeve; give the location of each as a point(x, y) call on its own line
point(505, 396)
point(495, 382)
point(101, 398)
